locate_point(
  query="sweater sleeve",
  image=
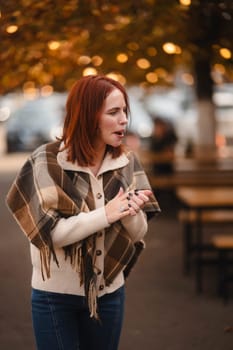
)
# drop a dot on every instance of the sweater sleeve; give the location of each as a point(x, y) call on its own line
point(76, 228)
point(136, 225)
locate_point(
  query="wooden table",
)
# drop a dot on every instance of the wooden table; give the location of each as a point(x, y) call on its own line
point(188, 171)
point(202, 199)
point(178, 179)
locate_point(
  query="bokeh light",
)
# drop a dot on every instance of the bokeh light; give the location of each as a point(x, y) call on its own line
point(122, 58)
point(171, 48)
point(83, 60)
point(54, 45)
point(225, 53)
point(185, 2)
point(152, 77)
point(143, 63)
point(90, 71)
point(12, 29)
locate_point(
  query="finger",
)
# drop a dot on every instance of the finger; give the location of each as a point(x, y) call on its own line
point(143, 197)
point(147, 193)
point(139, 202)
point(134, 206)
point(120, 192)
point(132, 212)
point(129, 195)
point(123, 205)
point(124, 213)
point(137, 199)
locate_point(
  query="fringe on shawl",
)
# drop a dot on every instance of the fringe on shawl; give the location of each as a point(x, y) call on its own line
point(74, 253)
point(92, 299)
point(86, 273)
point(45, 259)
point(84, 266)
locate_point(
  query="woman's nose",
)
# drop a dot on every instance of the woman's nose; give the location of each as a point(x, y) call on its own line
point(123, 118)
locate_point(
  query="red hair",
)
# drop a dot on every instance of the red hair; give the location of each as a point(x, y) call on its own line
point(84, 104)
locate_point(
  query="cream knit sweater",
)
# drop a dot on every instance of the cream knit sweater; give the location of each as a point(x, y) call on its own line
point(64, 279)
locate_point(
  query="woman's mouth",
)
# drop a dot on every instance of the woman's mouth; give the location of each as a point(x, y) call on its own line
point(120, 133)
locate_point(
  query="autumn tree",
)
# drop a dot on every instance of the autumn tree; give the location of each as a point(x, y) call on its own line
point(50, 44)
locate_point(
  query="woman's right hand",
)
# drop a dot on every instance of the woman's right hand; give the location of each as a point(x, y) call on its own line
point(117, 208)
point(126, 203)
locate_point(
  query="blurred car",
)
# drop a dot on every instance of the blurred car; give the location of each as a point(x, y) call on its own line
point(34, 123)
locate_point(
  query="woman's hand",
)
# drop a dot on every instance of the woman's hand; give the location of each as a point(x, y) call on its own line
point(126, 203)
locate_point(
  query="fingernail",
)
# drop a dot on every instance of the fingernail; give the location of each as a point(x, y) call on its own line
point(136, 192)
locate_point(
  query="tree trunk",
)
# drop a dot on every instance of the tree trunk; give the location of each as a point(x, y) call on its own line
point(206, 123)
point(205, 29)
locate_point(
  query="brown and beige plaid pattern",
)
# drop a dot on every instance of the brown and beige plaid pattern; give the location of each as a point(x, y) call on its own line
point(43, 192)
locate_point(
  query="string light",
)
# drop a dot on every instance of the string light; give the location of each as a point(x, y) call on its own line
point(143, 63)
point(220, 68)
point(185, 2)
point(225, 53)
point(187, 78)
point(83, 60)
point(54, 45)
point(151, 51)
point(46, 90)
point(97, 60)
point(161, 72)
point(89, 71)
point(133, 46)
point(117, 77)
point(122, 58)
point(171, 48)
point(152, 77)
point(30, 92)
point(12, 29)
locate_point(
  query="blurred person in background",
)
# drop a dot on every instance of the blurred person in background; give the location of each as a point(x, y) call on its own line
point(83, 202)
point(162, 144)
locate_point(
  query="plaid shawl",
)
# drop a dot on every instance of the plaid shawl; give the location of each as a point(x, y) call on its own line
point(43, 192)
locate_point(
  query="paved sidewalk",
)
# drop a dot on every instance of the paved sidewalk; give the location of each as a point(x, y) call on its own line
point(11, 163)
point(162, 310)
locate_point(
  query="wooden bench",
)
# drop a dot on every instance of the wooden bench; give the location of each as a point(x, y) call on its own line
point(223, 242)
point(224, 246)
point(208, 216)
point(189, 218)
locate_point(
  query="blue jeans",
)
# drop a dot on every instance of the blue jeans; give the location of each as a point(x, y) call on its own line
point(62, 321)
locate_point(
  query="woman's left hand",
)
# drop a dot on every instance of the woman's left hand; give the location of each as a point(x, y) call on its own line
point(137, 200)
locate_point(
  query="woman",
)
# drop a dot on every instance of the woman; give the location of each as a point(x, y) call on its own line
point(83, 202)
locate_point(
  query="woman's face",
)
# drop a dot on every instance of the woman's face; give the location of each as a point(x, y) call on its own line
point(113, 120)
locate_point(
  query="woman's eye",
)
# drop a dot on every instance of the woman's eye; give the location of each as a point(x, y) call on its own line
point(113, 112)
point(116, 111)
